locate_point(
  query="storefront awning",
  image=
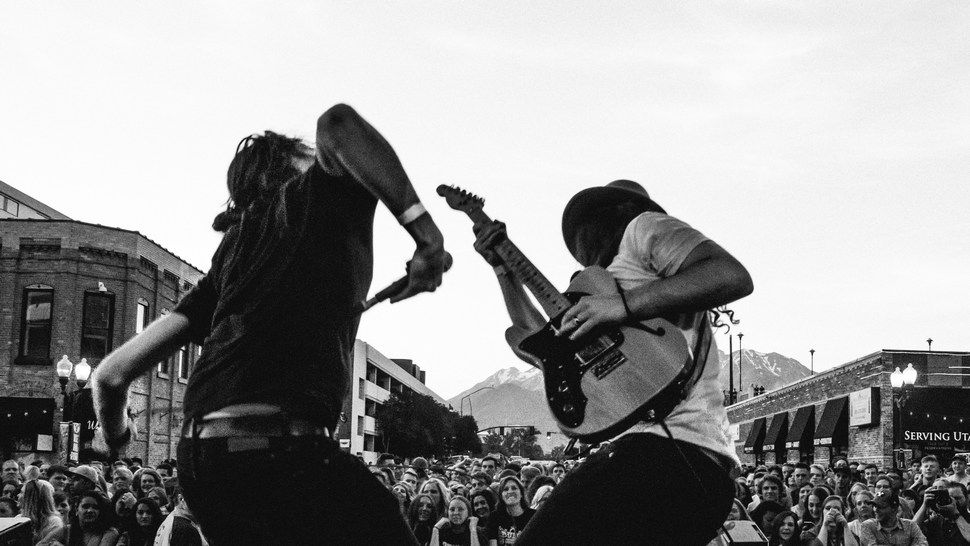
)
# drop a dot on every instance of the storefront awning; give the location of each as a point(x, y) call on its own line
point(777, 432)
point(802, 428)
point(756, 436)
point(833, 426)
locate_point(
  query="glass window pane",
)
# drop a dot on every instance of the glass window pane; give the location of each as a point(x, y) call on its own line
point(97, 311)
point(39, 306)
point(94, 347)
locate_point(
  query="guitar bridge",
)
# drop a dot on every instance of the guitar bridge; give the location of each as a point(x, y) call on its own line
point(612, 361)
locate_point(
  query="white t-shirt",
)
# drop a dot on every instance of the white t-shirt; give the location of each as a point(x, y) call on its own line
point(653, 247)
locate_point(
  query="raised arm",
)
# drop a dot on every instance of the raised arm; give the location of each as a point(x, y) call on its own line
point(526, 319)
point(346, 143)
point(110, 380)
point(708, 277)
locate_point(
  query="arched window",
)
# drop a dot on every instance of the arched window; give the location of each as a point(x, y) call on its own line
point(35, 324)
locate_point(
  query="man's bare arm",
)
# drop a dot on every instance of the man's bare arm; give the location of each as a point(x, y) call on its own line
point(110, 381)
point(708, 277)
point(346, 143)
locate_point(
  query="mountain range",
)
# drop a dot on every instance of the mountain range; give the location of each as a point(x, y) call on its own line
point(512, 397)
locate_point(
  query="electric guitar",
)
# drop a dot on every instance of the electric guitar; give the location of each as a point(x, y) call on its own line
point(599, 385)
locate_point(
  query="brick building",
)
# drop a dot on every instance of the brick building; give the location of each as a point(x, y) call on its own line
point(78, 289)
point(853, 411)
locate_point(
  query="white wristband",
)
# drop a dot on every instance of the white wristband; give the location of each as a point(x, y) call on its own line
point(411, 214)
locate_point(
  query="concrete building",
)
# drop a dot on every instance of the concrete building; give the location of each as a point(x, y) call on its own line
point(853, 411)
point(374, 378)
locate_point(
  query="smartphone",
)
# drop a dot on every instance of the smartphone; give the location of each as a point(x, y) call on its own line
point(942, 497)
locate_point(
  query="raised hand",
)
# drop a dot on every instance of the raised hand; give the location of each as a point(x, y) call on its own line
point(487, 237)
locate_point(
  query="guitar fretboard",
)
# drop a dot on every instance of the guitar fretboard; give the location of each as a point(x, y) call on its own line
point(552, 301)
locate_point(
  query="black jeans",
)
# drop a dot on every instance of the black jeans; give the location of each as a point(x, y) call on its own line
point(642, 489)
point(296, 490)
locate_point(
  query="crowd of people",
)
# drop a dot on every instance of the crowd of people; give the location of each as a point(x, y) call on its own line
point(124, 504)
point(851, 504)
point(489, 501)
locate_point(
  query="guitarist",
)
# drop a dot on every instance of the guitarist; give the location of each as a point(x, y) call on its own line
point(659, 482)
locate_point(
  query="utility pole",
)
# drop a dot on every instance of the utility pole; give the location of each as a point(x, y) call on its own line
point(740, 361)
point(731, 399)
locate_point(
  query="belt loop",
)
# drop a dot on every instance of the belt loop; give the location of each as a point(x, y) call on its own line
point(194, 435)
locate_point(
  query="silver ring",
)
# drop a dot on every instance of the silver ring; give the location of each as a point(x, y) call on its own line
point(576, 320)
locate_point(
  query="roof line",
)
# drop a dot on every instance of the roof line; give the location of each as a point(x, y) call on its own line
point(31, 202)
point(136, 232)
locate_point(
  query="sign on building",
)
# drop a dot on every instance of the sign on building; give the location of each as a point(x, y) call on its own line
point(864, 407)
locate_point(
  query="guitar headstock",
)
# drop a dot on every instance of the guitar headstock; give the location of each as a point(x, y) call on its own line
point(460, 199)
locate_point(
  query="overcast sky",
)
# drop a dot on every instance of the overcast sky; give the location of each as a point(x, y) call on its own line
point(825, 145)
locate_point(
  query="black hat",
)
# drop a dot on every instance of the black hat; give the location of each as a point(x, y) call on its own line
point(616, 192)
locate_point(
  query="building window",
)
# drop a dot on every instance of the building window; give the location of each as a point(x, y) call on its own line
point(141, 316)
point(183, 364)
point(165, 366)
point(11, 206)
point(97, 324)
point(35, 325)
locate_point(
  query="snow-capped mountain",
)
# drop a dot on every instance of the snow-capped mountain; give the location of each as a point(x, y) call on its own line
point(511, 396)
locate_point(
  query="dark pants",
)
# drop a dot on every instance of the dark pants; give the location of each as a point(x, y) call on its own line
point(297, 490)
point(642, 489)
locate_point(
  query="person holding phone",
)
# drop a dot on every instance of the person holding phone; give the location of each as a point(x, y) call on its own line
point(943, 515)
point(887, 527)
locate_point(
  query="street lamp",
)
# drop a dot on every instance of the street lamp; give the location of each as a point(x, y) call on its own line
point(812, 352)
point(64, 367)
point(461, 404)
point(82, 372)
point(902, 383)
point(740, 360)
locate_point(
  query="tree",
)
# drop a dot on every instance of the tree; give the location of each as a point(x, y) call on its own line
point(495, 443)
point(557, 453)
point(415, 424)
point(466, 435)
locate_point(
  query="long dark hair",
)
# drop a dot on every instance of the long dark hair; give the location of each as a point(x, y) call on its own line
point(259, 215)
point(106, 517)
point(136, 534)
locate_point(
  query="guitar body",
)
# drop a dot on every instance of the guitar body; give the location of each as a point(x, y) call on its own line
point(599, 385)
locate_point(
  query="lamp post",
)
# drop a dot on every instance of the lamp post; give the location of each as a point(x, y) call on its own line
point(732, 394)
point(812, 352)
point(902, 383)
point(82, 372)
point(929, 344)
point(740, 360)
point(461, 404)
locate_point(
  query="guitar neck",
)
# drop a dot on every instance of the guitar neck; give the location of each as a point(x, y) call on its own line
point(552, 301)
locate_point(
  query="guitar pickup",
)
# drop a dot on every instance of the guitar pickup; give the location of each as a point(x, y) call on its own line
point(595, 349)
point(613, 361)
